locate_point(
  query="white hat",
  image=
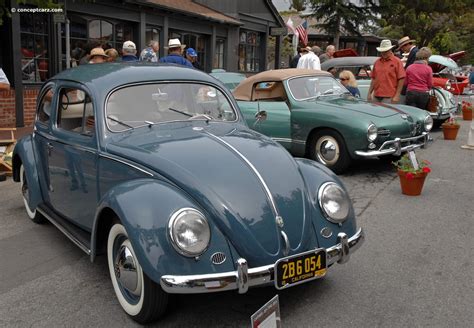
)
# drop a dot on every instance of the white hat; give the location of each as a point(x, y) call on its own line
point(129, 45)
point(385, 45)
point(175, 43)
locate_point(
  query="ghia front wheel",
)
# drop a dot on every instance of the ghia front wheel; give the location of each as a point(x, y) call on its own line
point(140, 297)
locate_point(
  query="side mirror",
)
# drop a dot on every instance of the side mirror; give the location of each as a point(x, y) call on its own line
point(260, 116)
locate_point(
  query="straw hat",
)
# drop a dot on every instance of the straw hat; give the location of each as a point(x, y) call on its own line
point(385, 45)
point(98, 52)
point(404, 40)
point(175, 43)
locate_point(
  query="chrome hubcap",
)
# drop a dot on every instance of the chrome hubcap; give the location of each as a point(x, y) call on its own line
point(327, 150)
point(125, 269)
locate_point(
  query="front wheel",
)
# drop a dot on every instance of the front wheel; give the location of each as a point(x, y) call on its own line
point(328, 148)
point(33, 214)
point(140, 297)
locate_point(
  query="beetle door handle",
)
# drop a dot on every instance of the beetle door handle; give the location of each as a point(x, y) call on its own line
point(50, 147)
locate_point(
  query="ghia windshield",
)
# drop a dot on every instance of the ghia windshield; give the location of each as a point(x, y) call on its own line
point(309, 87)
point(140, 105)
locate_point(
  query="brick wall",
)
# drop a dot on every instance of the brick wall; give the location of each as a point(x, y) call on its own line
point(7, 106)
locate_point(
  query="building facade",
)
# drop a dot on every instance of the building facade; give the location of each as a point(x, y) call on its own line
point(230, 35)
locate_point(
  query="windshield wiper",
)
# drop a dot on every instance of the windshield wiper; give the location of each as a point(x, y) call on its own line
point(110, 117)
point(180, 111)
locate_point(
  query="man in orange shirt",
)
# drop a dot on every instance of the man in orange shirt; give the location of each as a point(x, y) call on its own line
point(388, 76)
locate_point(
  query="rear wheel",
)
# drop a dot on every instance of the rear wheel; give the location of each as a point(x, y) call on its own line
point(33, 214)
point(140, 297)
point(329, 148)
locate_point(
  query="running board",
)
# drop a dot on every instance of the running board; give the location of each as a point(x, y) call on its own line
point(78, 236)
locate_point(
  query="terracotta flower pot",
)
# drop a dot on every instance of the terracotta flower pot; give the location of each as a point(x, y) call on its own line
point(466, 114)
point(411, 183)
point(450, 131)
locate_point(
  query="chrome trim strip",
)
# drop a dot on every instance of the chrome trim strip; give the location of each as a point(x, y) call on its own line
point(395, 146)
point(286, 251)
point(254, 169)
point(288, 140)
point(65, 232)
point(124, 162)
point(241, 281)
point(75, 146)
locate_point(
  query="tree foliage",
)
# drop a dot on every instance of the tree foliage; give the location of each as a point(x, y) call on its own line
point(338, 17)
point(298, 5)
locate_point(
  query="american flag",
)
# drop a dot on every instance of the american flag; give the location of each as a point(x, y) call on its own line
point(301, 29)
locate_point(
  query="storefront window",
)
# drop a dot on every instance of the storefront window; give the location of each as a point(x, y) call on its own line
point(196, 41)
point(87, 32)
point(35, 61)
point(219, 54)
point(249, 51)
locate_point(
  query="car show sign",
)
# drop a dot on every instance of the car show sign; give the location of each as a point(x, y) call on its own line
point(268, 316)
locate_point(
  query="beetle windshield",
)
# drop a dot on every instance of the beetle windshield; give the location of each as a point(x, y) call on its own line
point(308, 87)
point(139, 105)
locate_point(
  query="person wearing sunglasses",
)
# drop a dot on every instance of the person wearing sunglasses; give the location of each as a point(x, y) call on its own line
point(348, 80)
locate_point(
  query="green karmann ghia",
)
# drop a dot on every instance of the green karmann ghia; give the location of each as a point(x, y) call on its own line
point(311, 114)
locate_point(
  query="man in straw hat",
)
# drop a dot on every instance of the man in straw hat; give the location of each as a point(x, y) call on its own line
point(388, 76)
point(406, 45)
point(97, 56)
point(175, 54)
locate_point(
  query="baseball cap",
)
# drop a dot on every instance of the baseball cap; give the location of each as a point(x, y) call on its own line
point(129, 45)
point(191, 52)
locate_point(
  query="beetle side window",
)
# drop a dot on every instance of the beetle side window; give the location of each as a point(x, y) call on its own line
point(75, 111)
point(44, 107)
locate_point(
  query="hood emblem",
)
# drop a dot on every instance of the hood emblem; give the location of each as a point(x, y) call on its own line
point(404, 116)
point(279, 221)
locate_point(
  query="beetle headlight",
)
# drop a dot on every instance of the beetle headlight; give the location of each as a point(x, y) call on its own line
point(372, 132)
point(334, 202)
point(428, 123)
point(189, 232)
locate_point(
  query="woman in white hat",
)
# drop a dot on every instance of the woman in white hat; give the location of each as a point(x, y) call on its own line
point(388, 76)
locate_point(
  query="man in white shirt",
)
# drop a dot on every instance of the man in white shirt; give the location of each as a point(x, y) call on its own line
point(309, 59)
point(4, 83)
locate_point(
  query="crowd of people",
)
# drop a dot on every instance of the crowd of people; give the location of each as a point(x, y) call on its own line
point(97, 53)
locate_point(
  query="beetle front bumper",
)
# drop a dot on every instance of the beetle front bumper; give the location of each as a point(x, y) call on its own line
point(394, 147)
point(245, 277)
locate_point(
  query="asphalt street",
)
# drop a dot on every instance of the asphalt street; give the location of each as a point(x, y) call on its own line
point(414, 270)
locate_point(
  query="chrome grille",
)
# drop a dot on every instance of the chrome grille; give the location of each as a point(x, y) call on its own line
point(383, 132)
point(218, 258)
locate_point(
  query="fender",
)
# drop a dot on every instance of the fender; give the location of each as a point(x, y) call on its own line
point(315, 174)
point(24, 153)
point(144, 207)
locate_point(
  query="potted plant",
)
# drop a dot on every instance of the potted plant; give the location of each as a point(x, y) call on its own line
point(412, 174)
point(450, 129)
point(466, 111)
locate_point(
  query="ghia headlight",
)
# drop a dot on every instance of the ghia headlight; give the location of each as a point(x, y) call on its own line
point(334, 202)
point(189, 232)
point(448, 85)
point(372, 132)
point(428, 123)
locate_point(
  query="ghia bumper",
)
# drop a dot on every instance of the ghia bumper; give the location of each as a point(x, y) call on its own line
point(245, 277)
point(397, 146)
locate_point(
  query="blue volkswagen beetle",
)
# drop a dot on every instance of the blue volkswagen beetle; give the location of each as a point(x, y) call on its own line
point(155, 167)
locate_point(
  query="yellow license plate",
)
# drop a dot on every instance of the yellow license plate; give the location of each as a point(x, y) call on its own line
point(300, 268)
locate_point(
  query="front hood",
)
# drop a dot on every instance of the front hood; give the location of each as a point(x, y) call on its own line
point(235, 175)
point(348, 103)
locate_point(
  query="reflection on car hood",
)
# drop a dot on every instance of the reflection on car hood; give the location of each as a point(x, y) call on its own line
point(219, 166)
point(361, 106)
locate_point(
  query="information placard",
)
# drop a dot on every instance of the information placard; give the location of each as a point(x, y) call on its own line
point(268, 316)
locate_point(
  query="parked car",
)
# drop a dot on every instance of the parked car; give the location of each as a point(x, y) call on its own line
point(311, 114)
point(230, 79)
point(447, 73)
point(154, 166)
point(362, 67)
